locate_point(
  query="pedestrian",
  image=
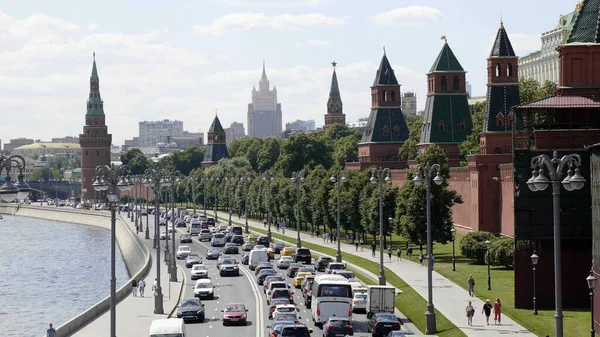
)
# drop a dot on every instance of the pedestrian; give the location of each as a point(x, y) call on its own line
point(361, 244)
point(137, 229)
point(390, 252)
point(264, 222)
point(399, 253)
point(324, 237)
point(487, 309)
point(142, 286)
point(356, 245)
point(50, 332)
point(347, 237)
point(497, 311)
point(471, 284)
point(432, 261)
point(373, 247)
point(421, 257)
point(470, 311)
point(409, 253)
point(134, 287)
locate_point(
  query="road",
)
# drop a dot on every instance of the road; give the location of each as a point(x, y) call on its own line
point(242, 289)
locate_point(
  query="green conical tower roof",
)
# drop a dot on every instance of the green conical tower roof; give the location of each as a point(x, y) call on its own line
point(95, 105)
point(502, 45)
point(446, 61)
point(216, 126)
point(587, 24)
point(385, 74)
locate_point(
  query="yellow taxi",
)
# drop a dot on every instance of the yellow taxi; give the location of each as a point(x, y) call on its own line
point(271, 253)
point(287, 251)
point(299, 278)
point(251, 238)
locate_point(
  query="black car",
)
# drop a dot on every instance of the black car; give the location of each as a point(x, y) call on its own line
point(281, 293)
point(263, 240)
point(322, 263)
point(185, 238)
point(238, 239)
point(275, 328)
point(296, 330)
point(338, 326)
point(191, 309)
point(263, 274)
point(303, 255)
point(278, 247)
point(382, 323)
point(192, 259)
point(231, 248)
point(211, 221)
point(308, 298)
point(212, 254)
point(262, 265)
point(237, 230)
point(292, 269)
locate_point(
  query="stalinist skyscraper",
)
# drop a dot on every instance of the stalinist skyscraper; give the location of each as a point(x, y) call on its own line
point(264, 113)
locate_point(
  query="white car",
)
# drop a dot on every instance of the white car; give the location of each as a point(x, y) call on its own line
point(359, 302)
point(163, 234)
point(204, 288)
point(284, 262)
point(289, 309)
point(218, 239)
point(183, 252)
point(199, 271)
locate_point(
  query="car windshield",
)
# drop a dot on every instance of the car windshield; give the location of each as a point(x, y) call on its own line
point(214, 251)
point(266, 272)
point(264, 265)
point(339, 322)
point(386, 317)
point(231, 245)
point(203, 285)
point(193, 256)
point(303, 251)
point(219, 236)
point(336, 266)
point(280, 293)
point(279, 285)
point(185, 236)
point(228, 261)
point(326, 259)
point(286, 258)
point(190, 302)
point(184, 249)
point(278, 324)
point(286, 309)
point(295, 332)
point(235, 308)
point(360, 296)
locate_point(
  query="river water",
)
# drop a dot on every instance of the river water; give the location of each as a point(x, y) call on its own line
point(50, 272)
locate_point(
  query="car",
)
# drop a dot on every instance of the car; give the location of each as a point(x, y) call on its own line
point(380, 324)
point(218, 240)
point(275, 327)
point(211, 221)
point(163, 234)
point(286, 309)
point(308, 269)
point(204, 288)
point(271, 279)
point(299, 278)
point(238, 240)
point(245, 258)
point(185, 238)
point(296, 330)
point(199, 271)
point(248, 246)
point(322, 263)
point(404, 331)
point(335, 266)
point(229, 266)
point(359, 302)
point(292, 269)
point(228, 236)
point(260, 279)
point(345, 273)
point(191, 309)
point(302, 255)
point(205, 235)
point(277, 285)
point(231, 248)
point(192, 259)
point(280, 293)
point(262, 265)
point(183, 252)
point(284, 262)
point(234, 313)
point(179, 222)
point(338, 326)
point(274, 303)
point(259, 247)
point(263, 240)
point(277, 247)
point(287, 251)
point(221, 258)
point(162, 221)
point(252, 238)
point(212, 254)
point(271, 253)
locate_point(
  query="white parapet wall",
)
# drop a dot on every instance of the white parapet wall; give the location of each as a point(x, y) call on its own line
point(136, 256)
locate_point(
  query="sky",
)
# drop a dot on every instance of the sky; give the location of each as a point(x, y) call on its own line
point(190, 59)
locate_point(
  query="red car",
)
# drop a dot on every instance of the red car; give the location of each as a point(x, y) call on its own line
point(234, 313)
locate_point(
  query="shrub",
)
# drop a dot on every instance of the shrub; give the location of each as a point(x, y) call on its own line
point(473, 245)
point(502, 252)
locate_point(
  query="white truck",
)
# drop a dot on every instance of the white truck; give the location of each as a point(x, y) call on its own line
point(380, 299)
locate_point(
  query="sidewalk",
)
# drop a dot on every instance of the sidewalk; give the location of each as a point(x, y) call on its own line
point(449, 299)
point(135, 314)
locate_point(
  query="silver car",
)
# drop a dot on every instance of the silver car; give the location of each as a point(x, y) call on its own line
point(284, 262)
point(359, 302)
point(205, 234)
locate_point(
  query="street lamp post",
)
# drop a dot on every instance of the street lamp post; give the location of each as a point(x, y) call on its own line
point(217, 180)
point(534, 262)
point(174, 179)
point(427, 172)
point(167, 253)
point(246, 178)
point(298, 178)
point(591, 281)
point(204, 195)
point(229, 182)
point(155, 179)
point(488, 245)
point(268, 176)
point(10, 192)
point(147, 236)
point(110, 178)
point(380, 176)
point(538, 182)
point(453, 231)
point(136, 206)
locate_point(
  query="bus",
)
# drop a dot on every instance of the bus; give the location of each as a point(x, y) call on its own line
point(331, 296)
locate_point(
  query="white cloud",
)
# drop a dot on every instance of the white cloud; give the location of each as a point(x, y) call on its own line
point(92, 27)
point(248, 21)
point(523, 44)
point(274, 3)
point(314, 43)
point(410, 15)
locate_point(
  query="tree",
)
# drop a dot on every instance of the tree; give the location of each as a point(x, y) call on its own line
point(268, 154)
point(473, 245)
point(531, 90)
point(184, 161)
point(471, 145)
point(304, 150)
point(345, 150)
point(408, 151)
point(44, 173)
point(338, 131)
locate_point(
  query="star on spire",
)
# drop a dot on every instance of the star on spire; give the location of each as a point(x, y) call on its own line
point(334, 64)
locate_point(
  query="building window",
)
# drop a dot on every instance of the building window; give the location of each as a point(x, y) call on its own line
point(509, 119)
point(386, 131)
point(498, 70)
point(500, 120)
point(441, 125)
point(509, 69)
point(444, 83)
point(463, 125)
point(384, 94)
point(393, 96)
point(455, 83)
point(396, 130)
point(97, 152)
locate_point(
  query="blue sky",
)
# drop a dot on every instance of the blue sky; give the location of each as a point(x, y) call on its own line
point(185, 59)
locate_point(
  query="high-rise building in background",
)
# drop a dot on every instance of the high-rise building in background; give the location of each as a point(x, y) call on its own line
point(409, 103)
point(469, 90)
point(301, 126)
point(335, 107)
point(542, 65)
point(157, 132)
point(235, 131)
point(264, 113)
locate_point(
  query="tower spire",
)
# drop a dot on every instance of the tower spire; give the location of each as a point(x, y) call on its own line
point(264, 72)
point(335, 112)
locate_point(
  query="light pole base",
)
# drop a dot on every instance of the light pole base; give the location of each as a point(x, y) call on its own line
point(430, 327)
point(298, 243)
point(158, 301)
point(338, 257)
point(147, 236)
point(382, 281)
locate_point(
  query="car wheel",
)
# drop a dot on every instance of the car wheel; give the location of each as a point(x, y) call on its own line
point(201, 319)
point(212, 296)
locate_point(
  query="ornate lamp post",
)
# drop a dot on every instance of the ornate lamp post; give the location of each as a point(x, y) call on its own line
point(591, 281)
point(427, 172)
point(136, 203)
point(204, 194)
point(217, 180)
point(174, 180)
point(147, 236)
point(534, 262)
point(539, 182)
point(155, 179)
point(246, 178)
point(380, 176)
point(453, 231)
point(229, 182)
point(268, 177)
point(298, 179)
point(10, 192)
point(488, 245)
point(110, 178)
point(167, 183)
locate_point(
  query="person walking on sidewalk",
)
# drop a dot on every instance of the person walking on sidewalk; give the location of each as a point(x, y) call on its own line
point(409, 253)
point(50, 332)
point(142, 286)
point(356, 245)
point(134, 287)
point(432, 261)
point(487, 309)
point(471, 284)
point(362, 245)
point(399, 253)
point(373, 247)
point(497, 311)
point(390, 252)
point(421, 257)
point(470, 312)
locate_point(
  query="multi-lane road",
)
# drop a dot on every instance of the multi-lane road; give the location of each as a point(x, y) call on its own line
point(242, 289)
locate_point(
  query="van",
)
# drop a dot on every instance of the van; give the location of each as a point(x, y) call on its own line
point(237, 230)
point(171, 327)
point(257, 256)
